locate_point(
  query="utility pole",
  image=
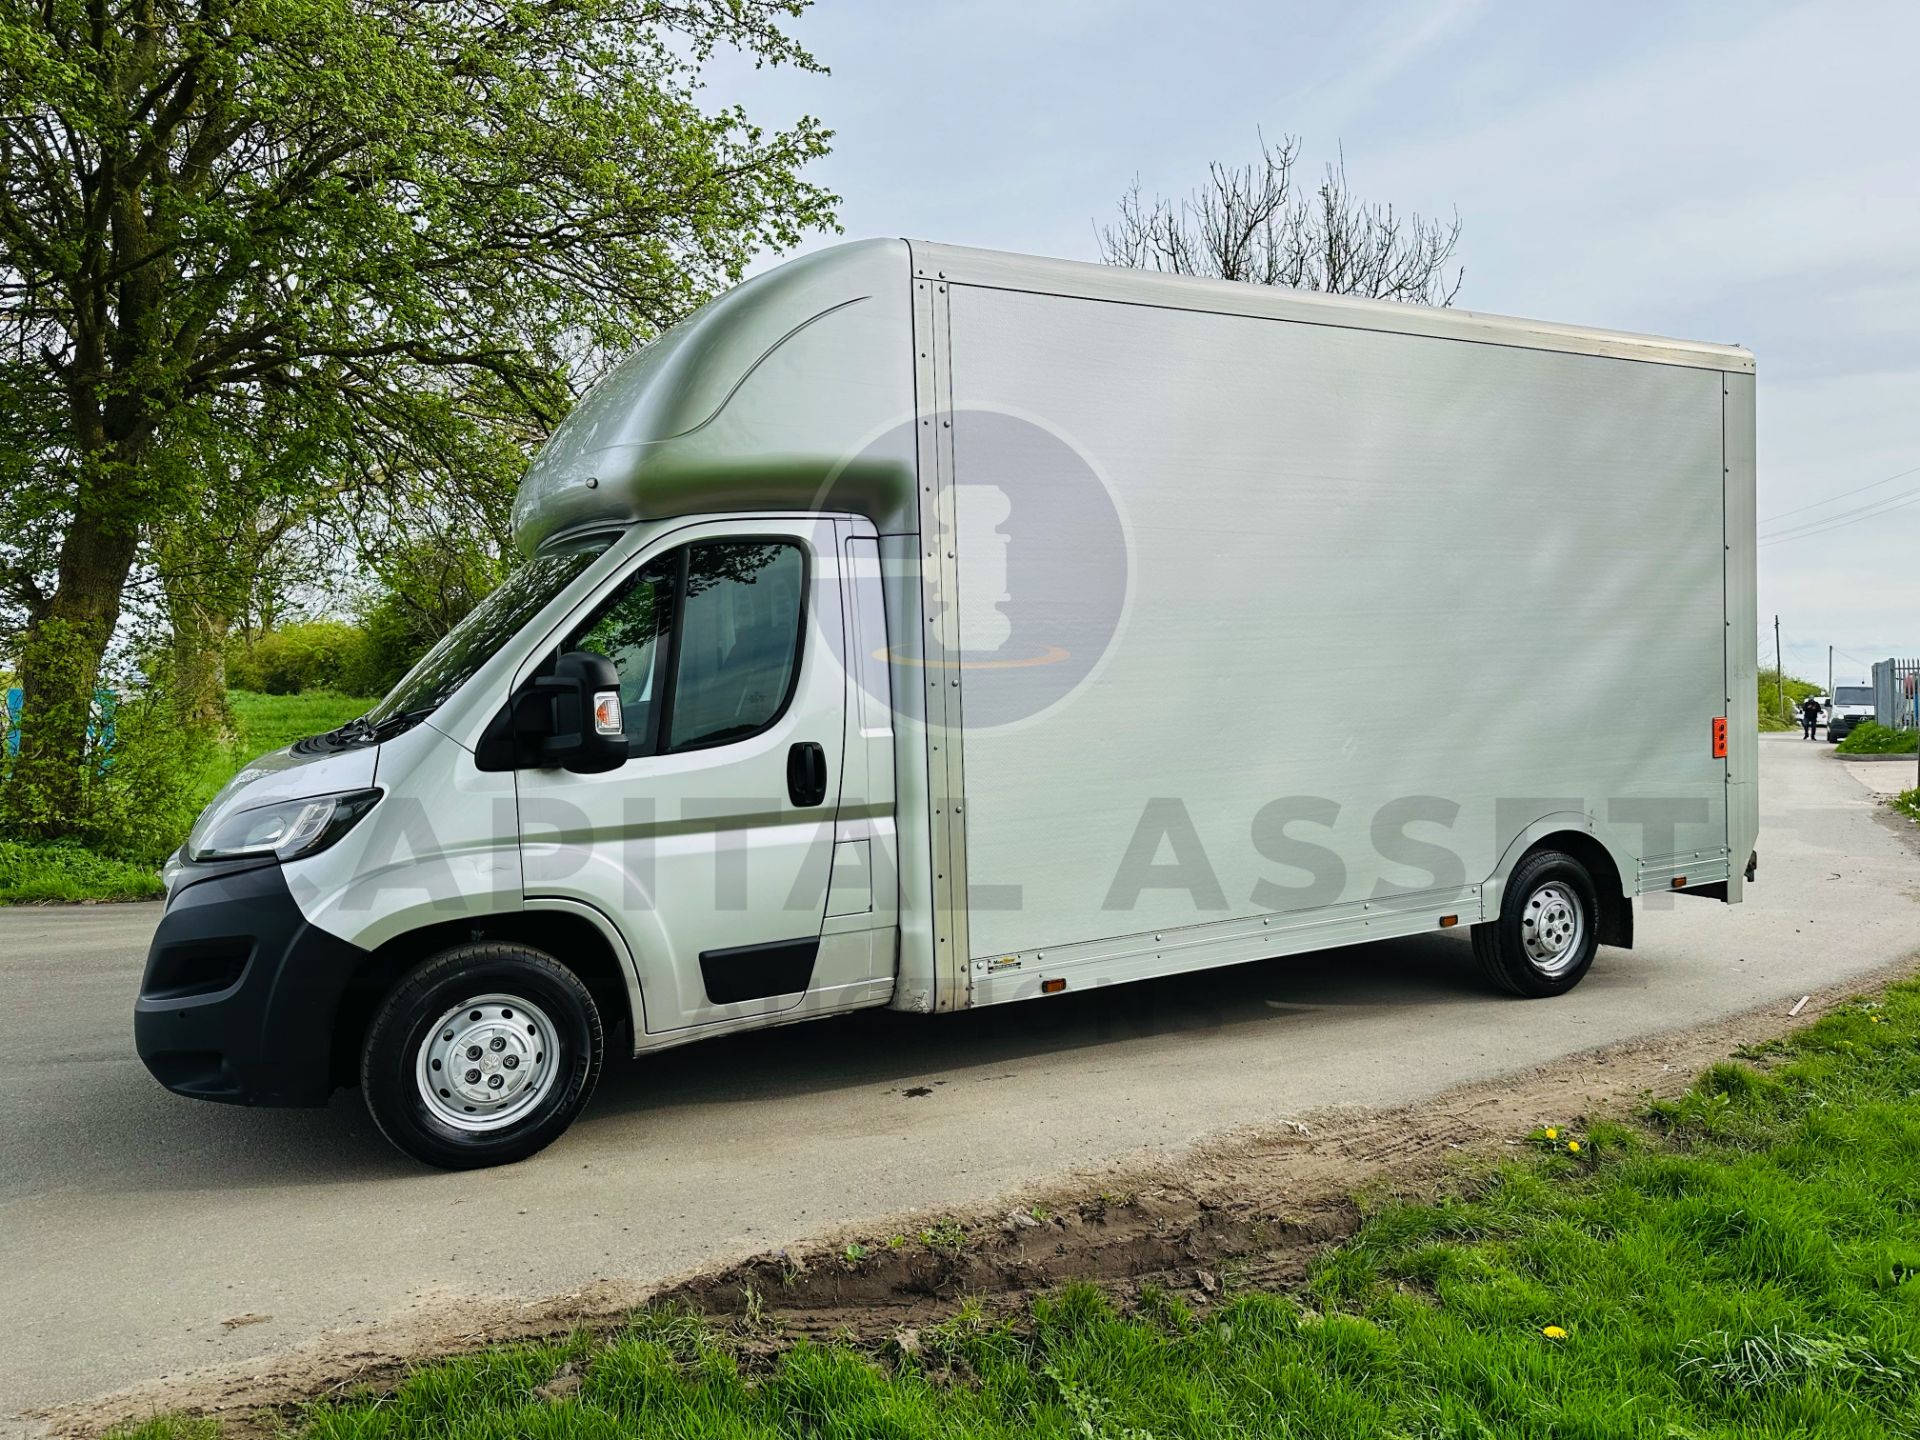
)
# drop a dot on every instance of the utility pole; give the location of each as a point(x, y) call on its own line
point(1829, 672)
point(1779, 670)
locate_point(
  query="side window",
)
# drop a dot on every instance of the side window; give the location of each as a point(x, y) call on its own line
point(632, 632)
point(739, 643)
point(707, 642)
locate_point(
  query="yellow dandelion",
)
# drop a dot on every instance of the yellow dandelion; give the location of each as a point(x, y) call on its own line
point(1573, 1147)
point(1552, 1134)
point(1554, 1332)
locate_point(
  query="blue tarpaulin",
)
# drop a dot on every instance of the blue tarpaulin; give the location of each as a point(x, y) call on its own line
point(99, 723)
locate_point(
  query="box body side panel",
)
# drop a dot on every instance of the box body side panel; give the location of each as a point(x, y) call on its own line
point(1366, 607)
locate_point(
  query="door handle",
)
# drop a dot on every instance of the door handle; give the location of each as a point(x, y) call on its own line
point(806, 774)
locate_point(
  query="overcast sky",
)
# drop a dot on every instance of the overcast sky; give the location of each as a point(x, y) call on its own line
point(1744, 172)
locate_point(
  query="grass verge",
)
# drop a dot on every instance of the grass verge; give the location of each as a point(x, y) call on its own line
point(267, 722)
point(46, 874)
point(1742, 1261)
point(1907, 802)
point(1874, 739)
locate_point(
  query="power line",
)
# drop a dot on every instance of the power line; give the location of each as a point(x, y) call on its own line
point(1858, 489)
point(1869, 512)
point(1803, 645)
point(1818, 521)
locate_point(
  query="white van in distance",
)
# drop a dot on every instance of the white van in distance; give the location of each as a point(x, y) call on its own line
point(932, 628)
point(1851, 707)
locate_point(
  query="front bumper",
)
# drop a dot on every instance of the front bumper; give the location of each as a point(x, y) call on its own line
point(240, 992)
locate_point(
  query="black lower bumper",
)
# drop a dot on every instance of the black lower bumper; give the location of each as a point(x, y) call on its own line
point(240, 992)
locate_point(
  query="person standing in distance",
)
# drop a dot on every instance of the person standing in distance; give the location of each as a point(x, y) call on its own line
point(1809, 717)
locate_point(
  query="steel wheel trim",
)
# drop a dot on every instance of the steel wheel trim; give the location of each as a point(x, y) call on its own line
point(1553, 928)
point(487, 1063)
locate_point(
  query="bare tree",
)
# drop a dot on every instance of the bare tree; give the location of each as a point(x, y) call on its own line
point(1254, 223)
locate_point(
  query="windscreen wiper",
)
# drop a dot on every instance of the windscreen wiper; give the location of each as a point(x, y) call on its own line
point(354, 730)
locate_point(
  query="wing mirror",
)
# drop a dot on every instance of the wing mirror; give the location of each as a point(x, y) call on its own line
point(572, 717)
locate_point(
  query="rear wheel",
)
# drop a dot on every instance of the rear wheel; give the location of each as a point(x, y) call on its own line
point(1548, 929)
point(482, 1056)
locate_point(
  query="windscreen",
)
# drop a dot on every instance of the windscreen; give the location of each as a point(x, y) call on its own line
point(488, 626)
point(1853, 695)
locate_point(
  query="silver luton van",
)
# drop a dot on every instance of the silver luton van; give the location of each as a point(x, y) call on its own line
point(929, 628)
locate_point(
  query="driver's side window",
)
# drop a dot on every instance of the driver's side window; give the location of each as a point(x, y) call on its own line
point(706, 640)
point(632, 632)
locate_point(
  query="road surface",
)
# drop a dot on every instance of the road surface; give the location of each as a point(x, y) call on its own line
point(135, 1222)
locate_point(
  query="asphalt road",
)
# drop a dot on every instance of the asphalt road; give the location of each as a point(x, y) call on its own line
point(135, 1222)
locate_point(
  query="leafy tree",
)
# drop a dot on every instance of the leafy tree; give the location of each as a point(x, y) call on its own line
point(1254, 223)
point(224, 556)
point(405, 231)
point(429, 583)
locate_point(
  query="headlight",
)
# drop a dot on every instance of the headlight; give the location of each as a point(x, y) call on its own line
point(286, 828)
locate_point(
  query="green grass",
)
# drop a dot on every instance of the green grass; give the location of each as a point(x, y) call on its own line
point(1875, 739)
point(1744, 1261)
point(263, 723)
point(1907, 802)
point(37, 874)
point(267, 722)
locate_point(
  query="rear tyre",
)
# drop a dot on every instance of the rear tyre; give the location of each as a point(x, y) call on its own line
point(1548, 930)
point(481, 1056)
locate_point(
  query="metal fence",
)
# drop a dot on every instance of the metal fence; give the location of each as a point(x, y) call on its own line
point(1896, 693)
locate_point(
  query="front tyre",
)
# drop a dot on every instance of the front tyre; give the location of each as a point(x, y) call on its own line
point(1548, 930)
point(481, 1056)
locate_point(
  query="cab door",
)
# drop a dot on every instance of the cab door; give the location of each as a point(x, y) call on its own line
point(711, 847)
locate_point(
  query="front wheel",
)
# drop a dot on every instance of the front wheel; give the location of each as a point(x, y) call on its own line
point(1548, 930)
point(481, 1056)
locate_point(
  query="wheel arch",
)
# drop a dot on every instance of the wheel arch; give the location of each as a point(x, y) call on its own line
point(574, 935)
point(1576, 834)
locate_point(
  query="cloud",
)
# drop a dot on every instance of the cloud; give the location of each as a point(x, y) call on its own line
point(1395, 44)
